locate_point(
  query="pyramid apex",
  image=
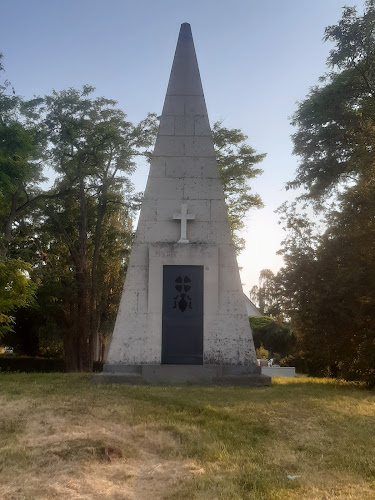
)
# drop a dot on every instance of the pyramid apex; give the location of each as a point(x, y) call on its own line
point(186, 30)
point(185, 78)
point(185, 33)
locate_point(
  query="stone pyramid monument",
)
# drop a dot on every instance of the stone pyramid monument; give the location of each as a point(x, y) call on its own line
point(182, 315)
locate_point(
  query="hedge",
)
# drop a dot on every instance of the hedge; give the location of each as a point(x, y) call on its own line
point(26, 364)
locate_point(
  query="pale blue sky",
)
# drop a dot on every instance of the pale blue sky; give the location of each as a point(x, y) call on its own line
point(257, 58)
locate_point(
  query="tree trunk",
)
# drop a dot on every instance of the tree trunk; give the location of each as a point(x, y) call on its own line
point(85, 355)
point(94, 323)
point(71, 351)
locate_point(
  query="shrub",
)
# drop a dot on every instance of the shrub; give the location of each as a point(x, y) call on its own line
point(28, 365)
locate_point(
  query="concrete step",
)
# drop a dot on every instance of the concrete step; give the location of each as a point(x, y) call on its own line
point(244, 375)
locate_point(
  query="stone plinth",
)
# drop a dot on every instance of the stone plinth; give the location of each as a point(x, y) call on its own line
point(182, 374)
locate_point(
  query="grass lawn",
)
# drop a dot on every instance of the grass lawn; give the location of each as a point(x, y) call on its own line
point(63, 437)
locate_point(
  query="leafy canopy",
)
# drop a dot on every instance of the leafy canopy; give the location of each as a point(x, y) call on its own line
point(336, 123)
point(236, 161)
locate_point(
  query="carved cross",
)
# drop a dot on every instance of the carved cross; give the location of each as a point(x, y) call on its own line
point(184, 217)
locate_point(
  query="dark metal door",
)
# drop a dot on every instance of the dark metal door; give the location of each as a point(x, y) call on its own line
point(182, 341)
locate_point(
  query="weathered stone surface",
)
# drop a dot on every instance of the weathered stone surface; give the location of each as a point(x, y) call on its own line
point(219, 212)
point(168, 188)
point(184, 125)
point(184, 145)
point(192, 374)
point(195, 167)
point(183, 171)
point(202, 189)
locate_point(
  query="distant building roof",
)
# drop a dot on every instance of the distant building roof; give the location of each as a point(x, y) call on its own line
point(251, 308)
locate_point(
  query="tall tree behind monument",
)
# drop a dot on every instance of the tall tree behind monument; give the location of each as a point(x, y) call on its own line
point(328, 282)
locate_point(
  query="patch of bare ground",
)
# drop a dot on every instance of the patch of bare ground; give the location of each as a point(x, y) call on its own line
point(59, 453)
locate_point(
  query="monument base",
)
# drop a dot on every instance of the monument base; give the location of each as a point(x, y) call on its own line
point(237, 375)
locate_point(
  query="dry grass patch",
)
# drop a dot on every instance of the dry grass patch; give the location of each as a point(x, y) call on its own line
point(60, 448)
point(63, 437)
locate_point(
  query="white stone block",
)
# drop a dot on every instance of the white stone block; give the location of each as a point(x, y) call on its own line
point(174, 105)
point(210, 169)
point(219, 212)
point(166, 208)
point(201, 146)
point(166, 125)
point(184, 125)
point(170, 146)
point(229, 341)
point(164, 188)
point(139, 255)
point(211, 297)
point(195, 105)
point(162, 231)
point(128, 330)
point(220, 232)
point(148, 210)
point(227, 255)
point(183, 167)
point(136, 301)
point(200, 232)
point(139, 350)
point(185, 78)
point(191, 167)
point(137, 278)
point(202, 189)
point(183, 82)
point(201, 210)
point(202, 125)
point(222, 351)
point(157, 167)
point(231, 302)
point(229, 278)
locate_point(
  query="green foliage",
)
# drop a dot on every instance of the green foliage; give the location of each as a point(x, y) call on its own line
point(16, 290)
point(328, 282)
point(275, 336)
point(265, 294)
point(26, 364)
point(258, 322)
point(236, 161)
point(335, 123)
point(21, 146)
point(262, 353)
point(85, 233)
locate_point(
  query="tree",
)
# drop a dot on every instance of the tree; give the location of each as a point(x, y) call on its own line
point(16, 290)
point(335, 135)
point(236, 161)
point(265, 294)
point(92, 147)
point(328, 281)
point(328, 291)
point(18, 174)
